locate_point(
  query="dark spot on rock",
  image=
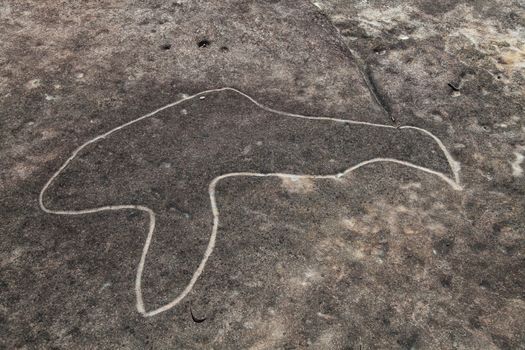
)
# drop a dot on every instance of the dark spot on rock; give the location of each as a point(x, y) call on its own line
point(156, 192)
point(82, 313)
point(484, 284)
point(203, 43)
point(509, 249)
point(104, 179)
point(75, 331)
point(91, 301)
point(498, 226)
point(132, 215)
point(502, 342)
point(514, 16)
point(39, 317)
point(446, 281)
point(444, 246)
point(478, 247)
point(43, 337)
point(224, 49)
point(408, 342)
point(379, 49)
point(436, 8)
point(165, 46)
point(385, 247)
point(413, 258)
point(474, 322)
point(129, 329)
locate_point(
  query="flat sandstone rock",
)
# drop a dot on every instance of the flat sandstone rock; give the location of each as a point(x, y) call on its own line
point(325, 174)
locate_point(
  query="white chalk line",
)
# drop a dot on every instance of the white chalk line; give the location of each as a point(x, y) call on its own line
point(454, 183)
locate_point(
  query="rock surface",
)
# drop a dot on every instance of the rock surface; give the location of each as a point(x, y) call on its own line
point(384, 257)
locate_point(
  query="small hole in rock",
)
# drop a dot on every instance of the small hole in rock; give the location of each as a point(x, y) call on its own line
point(380, 49)
point(224, 49)
point(165, 46)
point(203, 43)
